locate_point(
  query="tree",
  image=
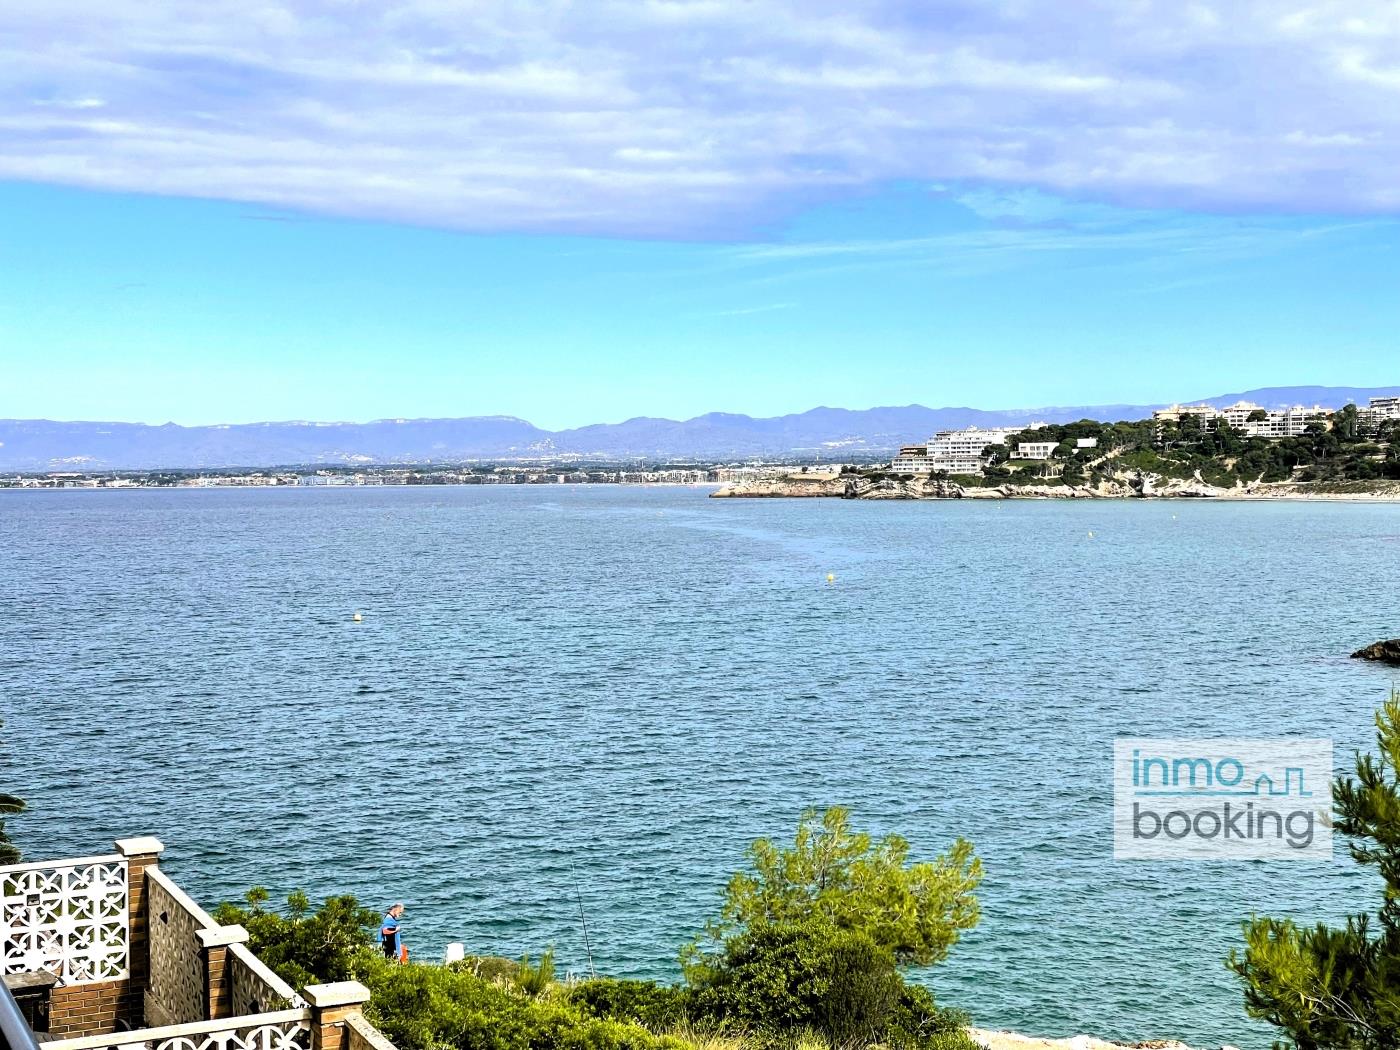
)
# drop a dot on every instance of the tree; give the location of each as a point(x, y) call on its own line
point(9, 806)
point(303, 947)
point(1339, 989)
point(836, 876)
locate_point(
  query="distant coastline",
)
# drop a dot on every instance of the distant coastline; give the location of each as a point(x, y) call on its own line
point(1140, 486)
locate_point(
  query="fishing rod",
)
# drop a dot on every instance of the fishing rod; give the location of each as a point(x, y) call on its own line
point(583, 919)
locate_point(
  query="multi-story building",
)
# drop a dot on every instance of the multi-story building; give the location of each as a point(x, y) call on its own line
point(1242, 416)
point(964, 451)
point(1035, 450)
point(1286, 422)
point(1378, 411)
point(912, 459)
point(1176, 413)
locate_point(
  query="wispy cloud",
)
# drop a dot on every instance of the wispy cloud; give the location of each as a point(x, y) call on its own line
point(707, 117)
point(744, 311)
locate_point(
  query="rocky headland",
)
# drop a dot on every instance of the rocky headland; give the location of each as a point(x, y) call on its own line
point(1125, 485)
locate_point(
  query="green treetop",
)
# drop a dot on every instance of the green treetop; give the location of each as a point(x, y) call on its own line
point(1339, 988)
point(9, 805)
point(841, 878)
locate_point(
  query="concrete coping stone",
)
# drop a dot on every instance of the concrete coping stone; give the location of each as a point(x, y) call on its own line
point(341, 993)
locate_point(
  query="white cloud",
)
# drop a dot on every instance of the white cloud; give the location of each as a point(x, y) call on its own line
point(704, 118)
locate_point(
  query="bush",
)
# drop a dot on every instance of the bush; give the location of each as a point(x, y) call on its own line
point(918, 1023)
point(491, 968)
point(304, 947)
point(436, 1007)
point(533, 980)
point(833, 875)
point(658, 1006)
point(779, 980)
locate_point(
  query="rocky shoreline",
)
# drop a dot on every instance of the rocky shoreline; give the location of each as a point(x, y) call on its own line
point(1012, 1041)
point(1123, 486)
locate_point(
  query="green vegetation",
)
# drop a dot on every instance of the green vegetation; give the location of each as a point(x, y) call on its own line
point(805, 955)
point(1336, 451)
point(303, 947)
point(9, 806)
point(835, 877)
point(1339, 989)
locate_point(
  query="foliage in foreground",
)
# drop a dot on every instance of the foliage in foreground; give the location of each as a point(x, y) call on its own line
point(811, 937)
point(426, 1007)
point(805, 956)
point(304, 946)
point(1339, 989)
point(837, 877)
point(9, 805)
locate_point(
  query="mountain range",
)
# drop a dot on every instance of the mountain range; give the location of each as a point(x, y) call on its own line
point(836, 433)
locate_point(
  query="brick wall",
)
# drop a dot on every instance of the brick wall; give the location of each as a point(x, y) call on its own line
point(92, 1009)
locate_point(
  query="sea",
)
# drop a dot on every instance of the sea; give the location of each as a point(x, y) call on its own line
point(573, 708)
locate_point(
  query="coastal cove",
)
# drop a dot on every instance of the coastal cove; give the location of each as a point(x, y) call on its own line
point(612, 690)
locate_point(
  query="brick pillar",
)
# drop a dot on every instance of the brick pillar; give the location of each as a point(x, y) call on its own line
point(330, 1005)
point(218, 978)
point(140, 854)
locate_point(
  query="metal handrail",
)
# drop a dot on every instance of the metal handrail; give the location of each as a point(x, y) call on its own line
point(14, 1029)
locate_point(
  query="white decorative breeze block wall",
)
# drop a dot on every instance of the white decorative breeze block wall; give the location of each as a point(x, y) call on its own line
point(177, 958)
point(286, 1035)
point(69, 918)
point(256, 989)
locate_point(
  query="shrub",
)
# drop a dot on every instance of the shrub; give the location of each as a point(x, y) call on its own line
point(436, 1007)
point(836, 876)
point(533, 980)
point(304, 947)
point(657, 1006)
point(918, 1023)
point(783, 979)
point(492, 968)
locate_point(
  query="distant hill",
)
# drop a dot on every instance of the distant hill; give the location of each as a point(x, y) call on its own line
point(831, 432)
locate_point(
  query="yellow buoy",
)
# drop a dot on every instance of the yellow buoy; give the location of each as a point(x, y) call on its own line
point(357, 617)
point(831, 577)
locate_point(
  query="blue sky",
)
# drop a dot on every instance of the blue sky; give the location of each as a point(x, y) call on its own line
point(580, 213)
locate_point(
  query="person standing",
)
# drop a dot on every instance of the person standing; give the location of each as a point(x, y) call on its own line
point(391, 933)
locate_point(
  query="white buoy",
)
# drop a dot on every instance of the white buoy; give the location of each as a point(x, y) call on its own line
point(357, 617)
point(455, 952)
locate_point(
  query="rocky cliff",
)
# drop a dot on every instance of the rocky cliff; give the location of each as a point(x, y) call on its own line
point(858, 486)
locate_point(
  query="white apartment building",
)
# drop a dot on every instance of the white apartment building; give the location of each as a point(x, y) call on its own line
point(1287, 422)
point(960, 451)
point(1380, 409)
point(952, 451)
point(912, 459)
point(1277, 423)
point(1034, 450)
point(1176, 413)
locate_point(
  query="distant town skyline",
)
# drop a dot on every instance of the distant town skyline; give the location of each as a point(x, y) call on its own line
point(581, 213)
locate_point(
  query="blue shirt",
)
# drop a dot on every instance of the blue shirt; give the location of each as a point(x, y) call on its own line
point(390, 929)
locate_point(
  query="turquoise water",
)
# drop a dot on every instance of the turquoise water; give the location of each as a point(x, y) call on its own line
point(618, 688)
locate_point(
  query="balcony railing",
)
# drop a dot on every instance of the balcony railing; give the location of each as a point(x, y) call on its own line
point(120, 958)
point(281, 1030)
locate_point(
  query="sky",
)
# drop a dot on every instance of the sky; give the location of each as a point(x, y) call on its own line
point(576, 213)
